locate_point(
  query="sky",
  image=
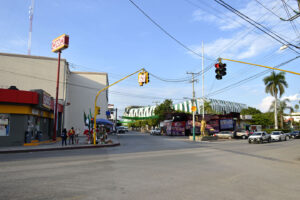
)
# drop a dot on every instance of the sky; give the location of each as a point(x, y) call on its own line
point(116, 37)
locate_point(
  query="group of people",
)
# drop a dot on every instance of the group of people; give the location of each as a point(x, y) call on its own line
point(71, 135)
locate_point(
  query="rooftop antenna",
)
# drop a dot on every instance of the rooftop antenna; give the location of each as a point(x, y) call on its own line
point(30, 26)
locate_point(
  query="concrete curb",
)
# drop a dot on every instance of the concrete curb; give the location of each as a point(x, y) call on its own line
point(59, 148)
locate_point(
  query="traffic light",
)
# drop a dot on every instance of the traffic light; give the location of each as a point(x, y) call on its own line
point(220, 70)
point(147, 80)
point(92, 120)
point(223, 68)
point(141, 78)
point(98, 110)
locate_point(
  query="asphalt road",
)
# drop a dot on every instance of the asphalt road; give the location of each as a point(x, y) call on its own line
point(156, 167)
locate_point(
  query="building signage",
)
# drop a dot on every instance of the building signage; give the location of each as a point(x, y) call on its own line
point(60, 43)
point(46, 102)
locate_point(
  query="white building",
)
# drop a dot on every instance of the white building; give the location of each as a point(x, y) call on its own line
point(295, 116)
point(77, 90)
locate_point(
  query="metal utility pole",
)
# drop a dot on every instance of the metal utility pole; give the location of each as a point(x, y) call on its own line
point(30, 26)
point(193, 101)
point(203, 80)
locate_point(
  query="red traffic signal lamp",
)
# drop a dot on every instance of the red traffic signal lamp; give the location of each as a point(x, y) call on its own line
point(220, 70)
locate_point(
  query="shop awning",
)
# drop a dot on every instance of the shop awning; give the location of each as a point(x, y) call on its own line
point(103, 121)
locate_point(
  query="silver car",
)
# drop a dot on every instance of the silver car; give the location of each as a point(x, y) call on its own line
point(225, 134)
point(278, 136)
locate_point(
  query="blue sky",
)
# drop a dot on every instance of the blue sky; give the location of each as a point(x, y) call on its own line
point(114, 37)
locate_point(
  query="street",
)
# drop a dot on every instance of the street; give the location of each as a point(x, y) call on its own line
point(156, 167)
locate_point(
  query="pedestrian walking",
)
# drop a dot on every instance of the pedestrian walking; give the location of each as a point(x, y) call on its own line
point(71, 134)
point(64, 137)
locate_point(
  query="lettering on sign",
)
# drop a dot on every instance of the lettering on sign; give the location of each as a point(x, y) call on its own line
point(142, 78)
point(46, 100)
point(60, 43)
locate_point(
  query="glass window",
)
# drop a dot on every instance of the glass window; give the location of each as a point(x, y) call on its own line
point(4, 125)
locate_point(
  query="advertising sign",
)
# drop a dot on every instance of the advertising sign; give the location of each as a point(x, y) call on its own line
point(60, 43)
point(226, 123)
point(46, 102)
point(4, 125)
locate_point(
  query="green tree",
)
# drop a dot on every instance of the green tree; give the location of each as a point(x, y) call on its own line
point(282, 106)
point(250, 111)
point(164, 108)
point(275, 84)
point(264, 119)
point(296, 107)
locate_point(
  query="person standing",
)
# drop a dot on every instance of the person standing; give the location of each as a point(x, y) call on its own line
point(64, 137)
point(71, 134)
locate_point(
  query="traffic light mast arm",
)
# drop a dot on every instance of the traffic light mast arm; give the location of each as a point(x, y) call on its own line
point(259, 65)
point(99, 92)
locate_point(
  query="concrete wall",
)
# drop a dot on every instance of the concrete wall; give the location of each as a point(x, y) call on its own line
point(32, 72)
point(81, 91)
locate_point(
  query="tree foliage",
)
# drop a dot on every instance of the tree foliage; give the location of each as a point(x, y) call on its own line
point(164, 108)
point(264, 119)
point(250, 111)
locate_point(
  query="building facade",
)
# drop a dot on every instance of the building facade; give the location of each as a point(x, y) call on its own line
point(77, 90)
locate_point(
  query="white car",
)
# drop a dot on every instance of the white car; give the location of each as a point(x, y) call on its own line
point(259, 137)
point(278, 136)
point(155, 131)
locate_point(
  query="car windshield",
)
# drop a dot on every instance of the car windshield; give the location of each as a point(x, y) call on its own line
point(276, 133)
point(256, 134)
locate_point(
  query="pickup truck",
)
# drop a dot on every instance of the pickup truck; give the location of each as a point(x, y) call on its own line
point(259, 137)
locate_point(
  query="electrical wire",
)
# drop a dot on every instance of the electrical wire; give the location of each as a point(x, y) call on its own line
point(231, 86)
point(166, 32)
point(259, 26)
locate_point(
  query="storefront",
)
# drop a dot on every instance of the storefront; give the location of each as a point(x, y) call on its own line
point(26, 116)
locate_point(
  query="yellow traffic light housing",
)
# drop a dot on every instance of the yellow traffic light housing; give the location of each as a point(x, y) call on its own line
point(98, 110)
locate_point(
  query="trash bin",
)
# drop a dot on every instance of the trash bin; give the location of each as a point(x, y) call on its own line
point(27, 137)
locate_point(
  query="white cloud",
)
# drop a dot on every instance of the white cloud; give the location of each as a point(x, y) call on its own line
point(294, 97)
point(265, 103)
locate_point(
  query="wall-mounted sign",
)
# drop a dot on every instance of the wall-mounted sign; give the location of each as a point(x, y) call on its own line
point(4, 125)
point(60, 43)
point(46, 102)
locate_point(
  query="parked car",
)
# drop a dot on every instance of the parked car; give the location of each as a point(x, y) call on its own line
point(295, 134)
point(225, 134)
point(259, 137)
point(120, 129)
point(126, 128)
point(155, 131)
point(242, 134)
point(278, 136)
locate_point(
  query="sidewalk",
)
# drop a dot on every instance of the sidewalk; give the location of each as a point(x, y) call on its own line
point(53, 146)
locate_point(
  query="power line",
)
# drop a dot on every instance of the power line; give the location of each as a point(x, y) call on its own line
point(225, 89)
point(258, 25)
point(166, 32)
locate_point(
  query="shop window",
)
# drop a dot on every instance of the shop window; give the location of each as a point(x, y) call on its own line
point(4, 125)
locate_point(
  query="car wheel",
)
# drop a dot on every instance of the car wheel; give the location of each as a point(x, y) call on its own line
point(261, 141)
point(249, 141)
point(269, 140)
point(280, 139)
point(244, 137)
point(285, 139)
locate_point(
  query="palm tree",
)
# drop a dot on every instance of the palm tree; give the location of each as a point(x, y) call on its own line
point(296, 107)
point(281, 108)
point(275, 84)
